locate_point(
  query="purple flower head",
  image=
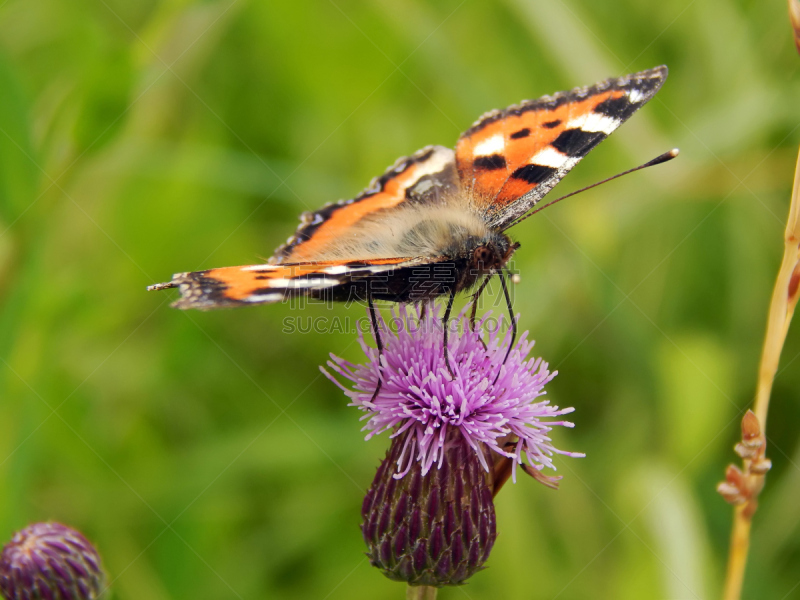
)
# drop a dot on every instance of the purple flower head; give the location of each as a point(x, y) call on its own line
point(489, 401)
point(50, 561)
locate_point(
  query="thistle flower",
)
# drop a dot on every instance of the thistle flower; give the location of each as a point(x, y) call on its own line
point(50, 561)
point(429, 516)
point(487, 402)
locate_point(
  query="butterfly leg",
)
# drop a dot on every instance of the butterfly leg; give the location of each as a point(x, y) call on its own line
point(446, 321)
point(475, 297)
point(378, 342)
point(423, 310)
point(511, 316)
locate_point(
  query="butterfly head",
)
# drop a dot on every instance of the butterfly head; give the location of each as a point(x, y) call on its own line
point(492, 253)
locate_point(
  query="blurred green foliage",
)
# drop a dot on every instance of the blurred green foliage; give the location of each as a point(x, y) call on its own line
point(205, 454)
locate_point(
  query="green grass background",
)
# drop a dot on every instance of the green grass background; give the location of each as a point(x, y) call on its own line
point(203, 452)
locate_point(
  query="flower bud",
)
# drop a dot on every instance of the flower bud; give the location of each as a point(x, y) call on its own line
point(751, 429)
point(745, 451)
point(761, 466)
point(734, 476)
point(50, 561)
point(435, 529)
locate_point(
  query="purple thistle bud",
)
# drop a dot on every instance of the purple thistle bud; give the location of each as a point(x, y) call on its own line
point(50, 561)
point(435, 529)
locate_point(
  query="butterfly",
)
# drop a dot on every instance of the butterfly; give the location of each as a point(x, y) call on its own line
point(434, 223)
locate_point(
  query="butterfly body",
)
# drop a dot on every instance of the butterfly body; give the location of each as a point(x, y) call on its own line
point(434, 223)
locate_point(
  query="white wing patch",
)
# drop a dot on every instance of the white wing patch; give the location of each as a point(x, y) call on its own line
point(594, 122)
point(261, 268)
point(262, 298)
point(550, 157)
point(494, 145)
point(635, 95)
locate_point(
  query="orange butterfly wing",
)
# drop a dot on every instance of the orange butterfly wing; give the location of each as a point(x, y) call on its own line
point(510, 159)
point(301, 268)
point(400, 183)
point(263, 284)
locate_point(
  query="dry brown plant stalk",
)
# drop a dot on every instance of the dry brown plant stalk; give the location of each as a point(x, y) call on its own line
point(742, 486)
point(794, 18)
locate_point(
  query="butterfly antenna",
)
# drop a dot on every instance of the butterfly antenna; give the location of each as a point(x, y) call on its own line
point(667, 156)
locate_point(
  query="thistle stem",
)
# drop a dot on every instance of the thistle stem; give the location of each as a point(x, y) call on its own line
point(421, 592)
point(784, 300)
